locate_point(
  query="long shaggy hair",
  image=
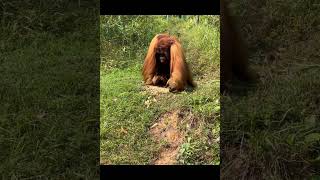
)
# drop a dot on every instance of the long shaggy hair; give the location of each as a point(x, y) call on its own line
point(165, 64)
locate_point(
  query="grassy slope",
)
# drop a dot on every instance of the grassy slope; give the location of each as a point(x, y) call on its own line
point(126, 118)
point(123, 118)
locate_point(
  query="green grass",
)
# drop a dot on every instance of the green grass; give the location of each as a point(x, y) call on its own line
point(272, 131)
point(278, 121)
point(202, 145)
point(125, 119)
point(49, 90)
point(47, 116)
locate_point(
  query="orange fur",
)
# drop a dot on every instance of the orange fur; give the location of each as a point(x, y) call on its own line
point(180, 75)
point(149, 63)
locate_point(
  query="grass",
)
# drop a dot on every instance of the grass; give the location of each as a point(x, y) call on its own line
point(125, 119)
point(278, 121)
point(202, 145)
point(272, 131)
point(49, 90)
point(128, 110)
point(48, 122)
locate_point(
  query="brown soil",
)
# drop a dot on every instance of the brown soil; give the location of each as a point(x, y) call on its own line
point(166, 129)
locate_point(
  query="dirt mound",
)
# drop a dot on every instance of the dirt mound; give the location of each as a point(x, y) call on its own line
point(167, 129)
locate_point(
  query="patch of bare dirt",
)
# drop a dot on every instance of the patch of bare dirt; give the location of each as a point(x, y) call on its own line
point(155, 90)
point(167, 129)
point(154, 94)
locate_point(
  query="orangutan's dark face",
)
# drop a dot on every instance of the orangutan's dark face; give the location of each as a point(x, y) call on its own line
point(163, 55)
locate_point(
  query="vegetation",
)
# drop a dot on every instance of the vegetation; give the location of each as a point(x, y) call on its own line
point(49, 90)
point(273, 131)
point(128, 110)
